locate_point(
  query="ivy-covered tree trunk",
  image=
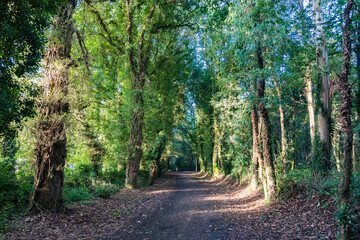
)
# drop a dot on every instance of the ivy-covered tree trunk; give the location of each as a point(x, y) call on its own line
point(356, 144)
point(50, 148)
point(324, 91)
point(264, 123)
point(138, 58)
point(136, 134)
point(156, 154)
point(345, 121)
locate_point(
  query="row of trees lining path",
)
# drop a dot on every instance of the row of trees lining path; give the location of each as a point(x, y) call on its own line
point(227, 87)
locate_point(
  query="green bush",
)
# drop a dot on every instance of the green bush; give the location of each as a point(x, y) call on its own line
point(305, 182)
point(356, 187)
point(79, 176)
point(105, 190)
point(15, 191)
point(81, 183)
point(76, 194)
point(114, 176)
point(292, 183)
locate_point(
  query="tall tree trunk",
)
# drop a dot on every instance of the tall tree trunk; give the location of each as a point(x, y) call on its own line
point(138, 63)
point(256, 151)
point(357, 101)
point(50, 148)
point(324, 92)
point(282, 127)
point(263, 118)
point(337, 149)
point(159, 148)
point(216, 149)
point(310, 104)
point(136, 133)
point(345, 119)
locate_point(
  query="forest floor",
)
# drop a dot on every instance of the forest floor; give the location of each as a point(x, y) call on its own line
point(185, 205)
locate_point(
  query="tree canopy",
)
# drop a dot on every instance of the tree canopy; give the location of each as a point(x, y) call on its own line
point(100, 95)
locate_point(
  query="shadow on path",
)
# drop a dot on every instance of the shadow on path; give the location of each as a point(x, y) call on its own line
point(186, 215)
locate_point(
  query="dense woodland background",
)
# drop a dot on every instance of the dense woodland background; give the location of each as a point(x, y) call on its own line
point(99, 95)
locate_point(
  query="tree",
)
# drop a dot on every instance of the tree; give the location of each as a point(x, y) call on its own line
point(50, 151)
point(345, 120)
point(325, 107)
point(264, 123)
point(135, 41)
point(22, 30)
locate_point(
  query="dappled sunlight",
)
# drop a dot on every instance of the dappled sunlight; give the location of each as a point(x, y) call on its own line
point(244, 200)
point(201, 175)
point(177, 190)
point(160, 191)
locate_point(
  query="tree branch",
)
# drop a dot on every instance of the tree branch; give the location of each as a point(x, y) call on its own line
point(104, 28)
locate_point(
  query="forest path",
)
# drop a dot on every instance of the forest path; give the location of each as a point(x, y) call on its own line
point(190, 213)
point(187, 206)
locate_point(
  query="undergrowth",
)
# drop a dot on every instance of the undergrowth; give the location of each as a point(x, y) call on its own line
point(80, 184)
point(15, 190)
point(304, 183)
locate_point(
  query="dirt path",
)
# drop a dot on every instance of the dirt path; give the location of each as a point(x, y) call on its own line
point(208, 208)
point(185, 205)
point(188, 214)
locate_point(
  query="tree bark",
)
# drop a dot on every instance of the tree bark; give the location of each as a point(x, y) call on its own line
point(50, 148)
point(256, 161)
point(345, 120)
point(138, 59)
point(216, 149)
point(324, 92)
point(158, 149)
point(337, 149)
point(282, 127)
point(357, 101)
point(263, 118)
point(310, 104)
point(136, 134)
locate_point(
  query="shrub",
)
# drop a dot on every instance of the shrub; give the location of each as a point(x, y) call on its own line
point(76, 194)
point(14, 193)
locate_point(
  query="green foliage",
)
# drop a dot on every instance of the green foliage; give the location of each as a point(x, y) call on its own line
point(76, 194)
point(15, 190)
point(293, 183)
point(199, 88)
point(303, 182)
point(317, 159)
point(22, 30)
point(344, 217)
point(356, 188)
point(82, 183)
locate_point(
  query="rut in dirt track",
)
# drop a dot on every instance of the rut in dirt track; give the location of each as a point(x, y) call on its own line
point(189, 214)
